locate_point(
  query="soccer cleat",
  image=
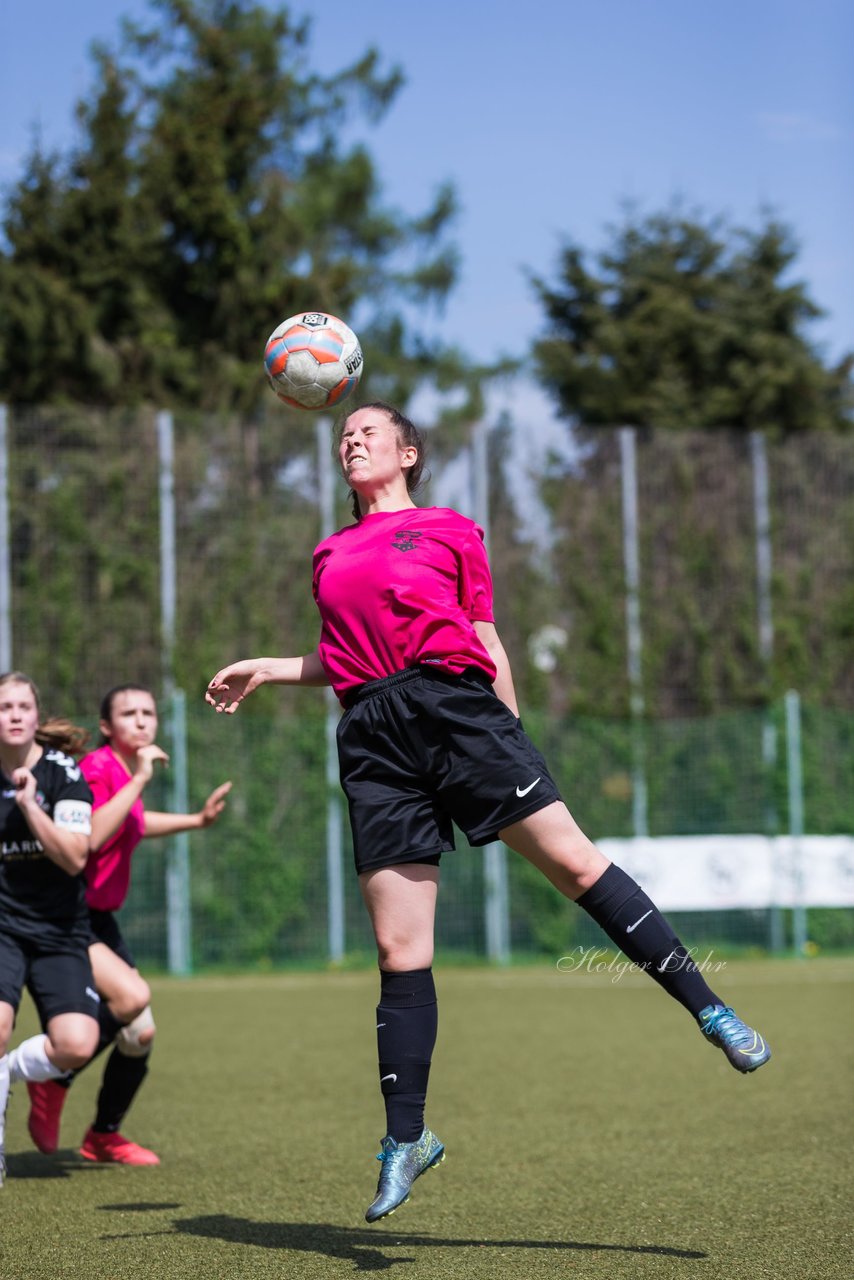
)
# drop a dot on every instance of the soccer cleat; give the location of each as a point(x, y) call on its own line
point(744, 1047)
point(47, 1098)
point(402, 1163)
point(112, 1148)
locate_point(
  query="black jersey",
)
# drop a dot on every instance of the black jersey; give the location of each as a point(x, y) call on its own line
point(36, 896)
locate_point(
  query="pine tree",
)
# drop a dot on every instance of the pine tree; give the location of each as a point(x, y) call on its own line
point(214, 191)
point(685, 323)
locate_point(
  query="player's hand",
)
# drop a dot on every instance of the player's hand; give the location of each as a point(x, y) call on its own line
point(214, 804)
point(146, 758)
point(232, 684)
point(24, 782)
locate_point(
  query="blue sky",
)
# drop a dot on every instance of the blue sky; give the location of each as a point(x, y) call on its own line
point(546, 119)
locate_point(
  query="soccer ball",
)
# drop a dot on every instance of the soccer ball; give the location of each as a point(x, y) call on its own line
point(313, 360)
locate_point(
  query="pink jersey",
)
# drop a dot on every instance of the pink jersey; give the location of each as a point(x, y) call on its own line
point(400, 588)
point(108, 868)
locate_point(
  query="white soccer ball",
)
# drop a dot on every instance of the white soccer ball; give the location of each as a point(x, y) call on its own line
point(313, 360)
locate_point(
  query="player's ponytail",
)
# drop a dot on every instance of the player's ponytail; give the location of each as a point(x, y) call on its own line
point(63, 735)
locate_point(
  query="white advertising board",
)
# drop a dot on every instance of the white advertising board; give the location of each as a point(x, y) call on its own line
point(707, 873)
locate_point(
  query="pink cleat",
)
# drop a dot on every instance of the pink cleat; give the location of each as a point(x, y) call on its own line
point(47, 1098)
point(112, 1148)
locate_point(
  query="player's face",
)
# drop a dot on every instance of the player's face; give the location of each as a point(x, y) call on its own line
point(19, 714)
point(370, 453)
point(133, 721)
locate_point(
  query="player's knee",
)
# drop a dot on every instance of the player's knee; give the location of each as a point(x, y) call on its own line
point(132, 1001)
point(7, 1022)
point(73, 1049)
point(401, 955)
point(135, 1040)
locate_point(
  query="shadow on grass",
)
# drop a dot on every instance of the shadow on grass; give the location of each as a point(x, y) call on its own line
point(32, 1164)
point(140, 1206)
point(364, 1246)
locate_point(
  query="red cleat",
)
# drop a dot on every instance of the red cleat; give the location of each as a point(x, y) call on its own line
point(112, 1148)
point(47, 1098)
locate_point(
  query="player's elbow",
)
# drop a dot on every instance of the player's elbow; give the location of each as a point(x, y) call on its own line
point(77, 854)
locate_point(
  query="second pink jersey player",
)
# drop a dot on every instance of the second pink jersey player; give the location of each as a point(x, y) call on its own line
point(108, 868)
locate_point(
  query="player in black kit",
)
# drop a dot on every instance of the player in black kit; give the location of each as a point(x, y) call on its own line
point(45, 823)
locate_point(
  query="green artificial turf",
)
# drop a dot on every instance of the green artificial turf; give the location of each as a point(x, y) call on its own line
point(590, 1132)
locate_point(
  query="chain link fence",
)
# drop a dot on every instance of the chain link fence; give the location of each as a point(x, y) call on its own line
point(82, 607)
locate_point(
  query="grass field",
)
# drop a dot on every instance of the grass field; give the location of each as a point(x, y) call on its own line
point(590, 1133)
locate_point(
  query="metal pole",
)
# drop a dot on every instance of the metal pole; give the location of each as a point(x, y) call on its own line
point(497, 904)
point(762, 513)
point(334, 837)
point(634, 637)
point(479, 456)
point(5, 547)
point(796, 817)
point(495, 879)
point(179, 932)
point(166, 458)
point(179, 923)
point(765, 626)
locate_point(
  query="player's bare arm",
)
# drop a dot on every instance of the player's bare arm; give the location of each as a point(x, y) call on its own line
point(168, 824)
point(503, 683)
point(68, 849)
point(231, 685)
point(107, 819)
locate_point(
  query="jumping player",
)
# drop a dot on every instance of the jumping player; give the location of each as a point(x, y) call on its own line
point(430, 735)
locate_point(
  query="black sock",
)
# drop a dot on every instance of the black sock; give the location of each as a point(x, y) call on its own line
point(122, 1078)
point(108, 1028)
point(632, 920)
point(407, 1018)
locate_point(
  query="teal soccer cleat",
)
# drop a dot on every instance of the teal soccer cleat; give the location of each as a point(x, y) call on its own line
point(402, 1163)
point(744, 1047)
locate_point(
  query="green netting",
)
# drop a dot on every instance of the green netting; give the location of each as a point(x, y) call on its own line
point(259, 881)
point(84, 554)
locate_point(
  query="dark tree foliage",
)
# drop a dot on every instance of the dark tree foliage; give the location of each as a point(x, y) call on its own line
point(684, 322)
point(210, 196)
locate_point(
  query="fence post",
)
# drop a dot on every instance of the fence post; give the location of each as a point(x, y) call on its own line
point(795, 773)
point(765, 620)
point(496, 904)
point(179, 924)
point(334, 848)
point(634, 635)
point(178, 910)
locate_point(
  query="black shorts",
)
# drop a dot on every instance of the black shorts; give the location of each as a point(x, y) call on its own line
point(423, 749)
point(105, 928)
point(58, 977)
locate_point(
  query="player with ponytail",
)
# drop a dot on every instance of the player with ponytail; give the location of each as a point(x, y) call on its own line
point(431, 737)
point(45, 824)
point(118, 773)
